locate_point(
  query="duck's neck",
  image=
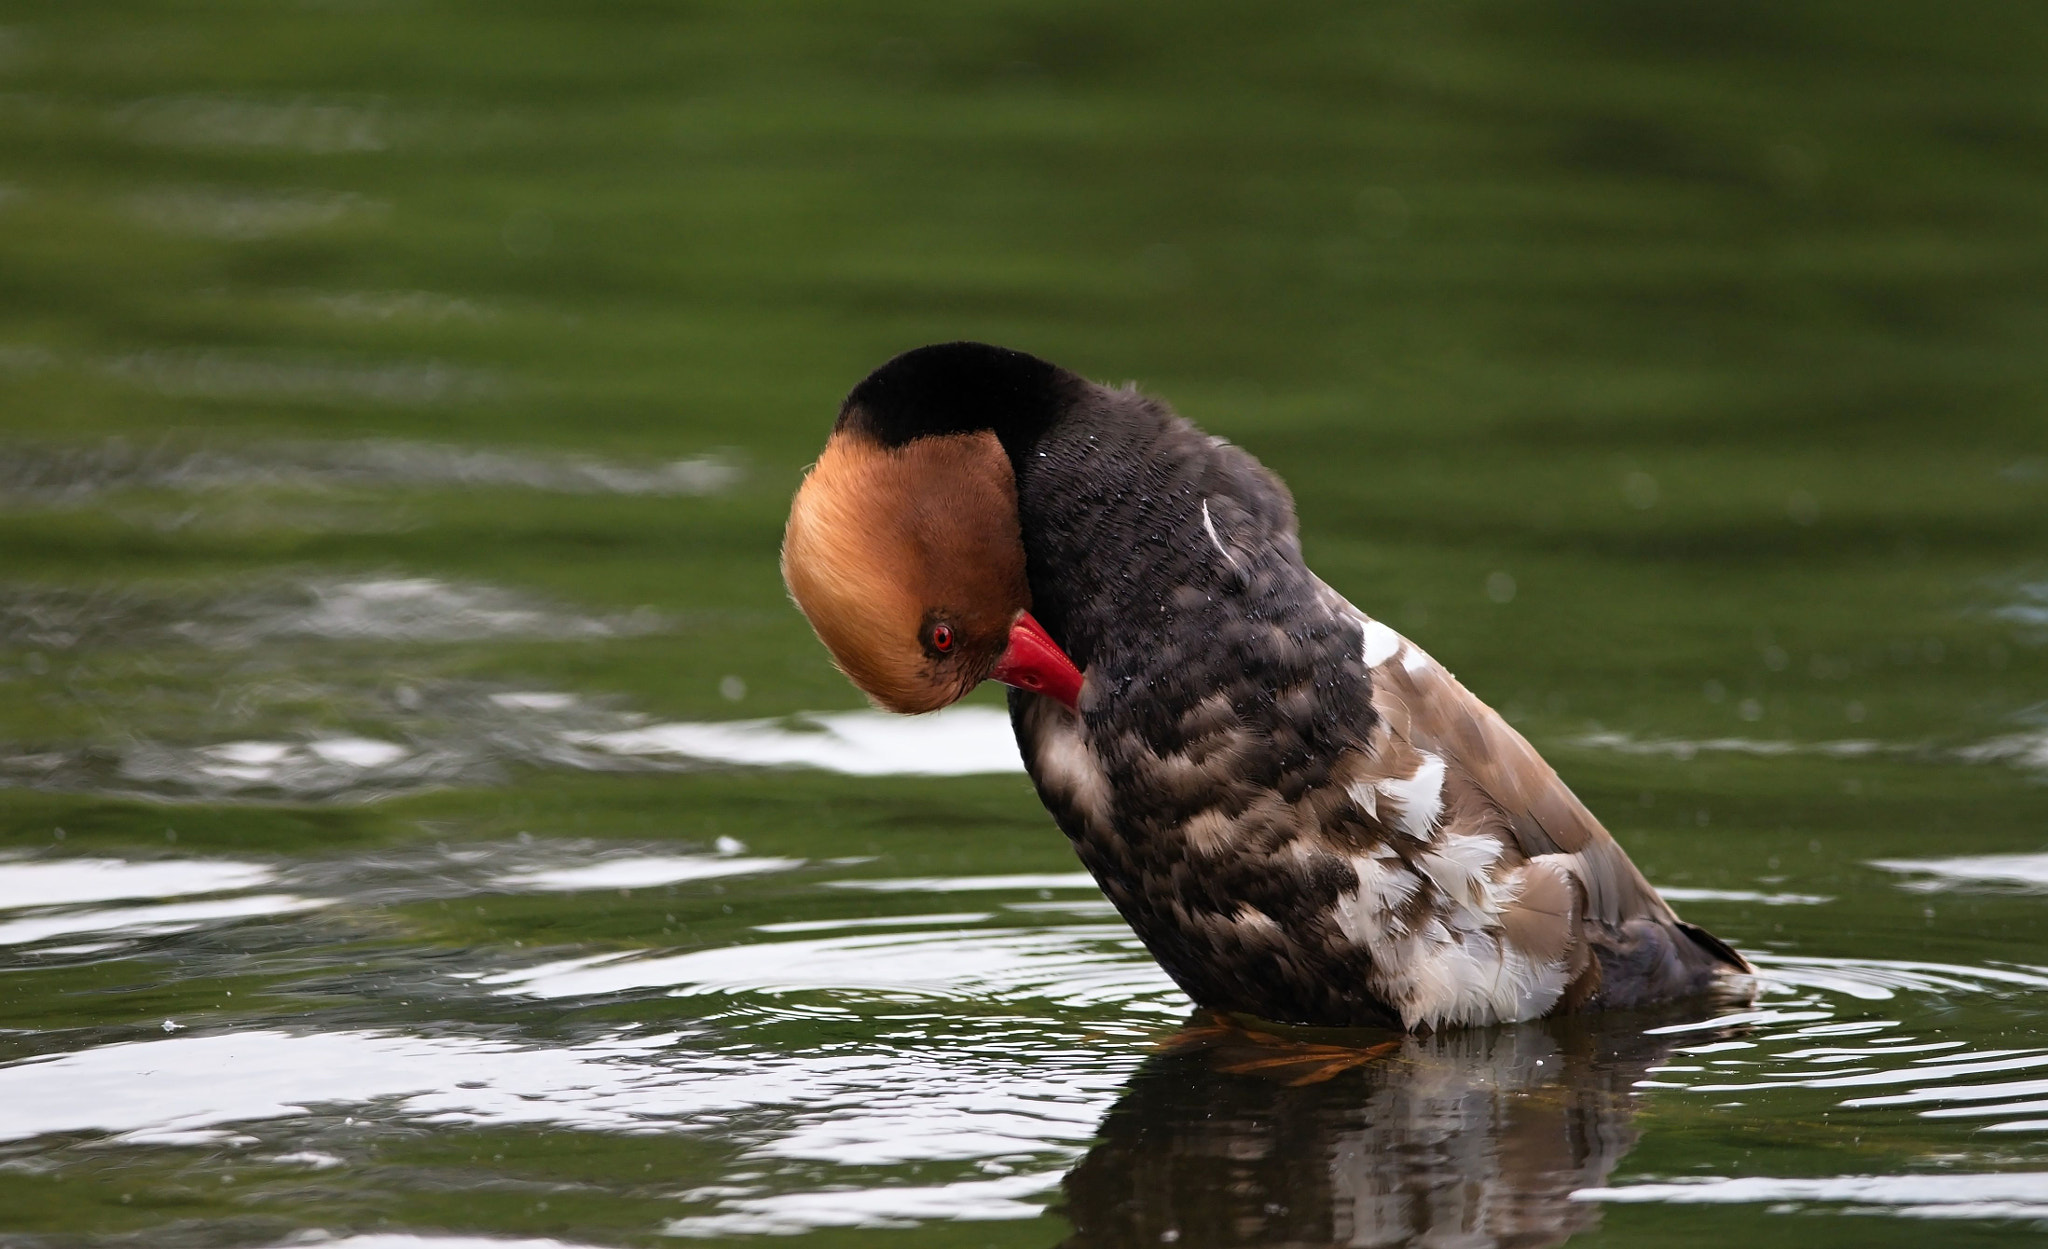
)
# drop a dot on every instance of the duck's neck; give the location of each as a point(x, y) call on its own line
point(1167, 563)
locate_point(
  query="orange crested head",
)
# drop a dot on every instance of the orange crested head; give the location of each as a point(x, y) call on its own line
point(909, 562)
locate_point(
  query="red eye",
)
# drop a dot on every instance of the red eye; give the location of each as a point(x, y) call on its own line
point(942, 638)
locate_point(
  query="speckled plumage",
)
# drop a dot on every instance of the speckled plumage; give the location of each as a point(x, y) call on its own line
point(1303, 816)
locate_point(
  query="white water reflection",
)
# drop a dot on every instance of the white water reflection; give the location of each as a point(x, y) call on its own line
point(959, 741)
point(140, 921)
point(1075, 966)
point(1679, 893)
point(1684, 748)
point(1025, 1097)
point(143, 1090)
point(642, 872)
point(61, 882)
point(965, 1065)
point(2027, 749)
point(2026, 873)
point(452, 734)
point(943, 920)
point(401, 1240)
point(2031, 608)
point(363, 767)
point(53, 893)
point(243, 656)
point(1795, 1040)
point(889, 1208)
point(2010, 1195)
point(970, 884)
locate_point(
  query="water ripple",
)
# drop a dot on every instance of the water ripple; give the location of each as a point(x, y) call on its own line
point(1073, 965)
point(56, 474)
point(959, 741)
point(2017, 873)
point(2010, 1195)
point(995, 1055)
point(1776, 1051)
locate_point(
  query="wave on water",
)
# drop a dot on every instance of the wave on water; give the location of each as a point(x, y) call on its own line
point(244, 655)
point(2027, 749)
point(1010, 1052)
point(429, 1241)
point(455, 735)
point(1070, 965)
point(1806, 1038)
point(385, 610)
point(1690, 748)
point(62, 474)
point(1994, 1195)
point(2017, 873)
point(46, 900)
point(959, 741)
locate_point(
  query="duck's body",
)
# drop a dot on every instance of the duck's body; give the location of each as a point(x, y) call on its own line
point(1303, 816)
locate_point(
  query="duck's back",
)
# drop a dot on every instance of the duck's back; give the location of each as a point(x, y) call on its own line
point(1303, 816)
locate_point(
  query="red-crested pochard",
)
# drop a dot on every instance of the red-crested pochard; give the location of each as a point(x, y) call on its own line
point(1304, 817)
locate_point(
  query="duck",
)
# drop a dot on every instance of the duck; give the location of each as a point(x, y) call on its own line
point(1303, 816)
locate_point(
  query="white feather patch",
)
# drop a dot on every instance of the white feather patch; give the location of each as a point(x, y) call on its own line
point(1462, 867)
point(1365, 797)
point(1420, 798)
point(1367, 915)
point(1381, 643)
point(1210, 526)
point(1454, 966)
point(1416, 661)
point(1066, 764)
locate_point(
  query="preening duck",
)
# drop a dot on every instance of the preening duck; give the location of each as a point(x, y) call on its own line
point(1303, 816)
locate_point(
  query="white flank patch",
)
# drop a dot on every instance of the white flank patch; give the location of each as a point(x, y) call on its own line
point(1449, 969)
point(1210, 526)
point(1381, 643)
point(1420, 797)
point(1481, 980)
point(1417, 660)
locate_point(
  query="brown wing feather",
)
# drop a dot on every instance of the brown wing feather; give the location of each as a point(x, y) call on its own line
point(1428, 708)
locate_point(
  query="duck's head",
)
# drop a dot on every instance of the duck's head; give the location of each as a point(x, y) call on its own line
point(904, 546)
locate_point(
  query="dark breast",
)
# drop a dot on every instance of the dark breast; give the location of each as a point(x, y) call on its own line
point(1222, 688)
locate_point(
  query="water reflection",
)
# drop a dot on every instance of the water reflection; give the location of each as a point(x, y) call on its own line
point(399, 1240)
point(1470, 1138)
point(2017, 873)
point(1986, 1195)
point(861, 1068)
point(958, 741)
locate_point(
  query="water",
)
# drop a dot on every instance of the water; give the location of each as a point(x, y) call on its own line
point(424, 822)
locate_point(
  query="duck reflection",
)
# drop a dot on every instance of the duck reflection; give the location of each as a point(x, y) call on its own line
point(1470, 1138)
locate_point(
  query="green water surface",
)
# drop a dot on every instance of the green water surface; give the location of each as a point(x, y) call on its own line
point(399, 403)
